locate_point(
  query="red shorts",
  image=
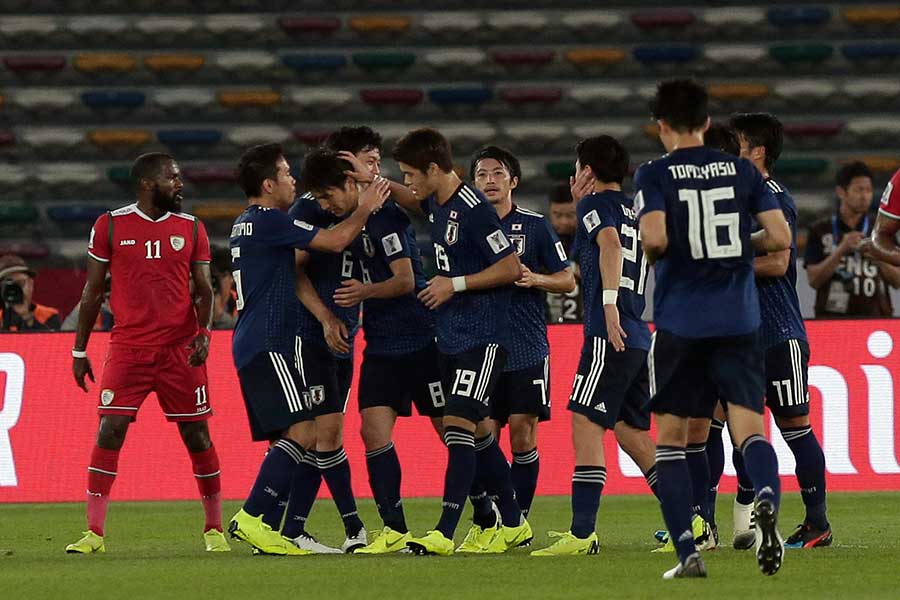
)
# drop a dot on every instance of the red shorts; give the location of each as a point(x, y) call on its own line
point(132, 372)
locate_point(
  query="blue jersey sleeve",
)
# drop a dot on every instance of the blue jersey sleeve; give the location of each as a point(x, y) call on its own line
point(389, 235)
point(281, 230)
point(598, 215)
point(552, 254)
point(648, 195)
point(761, 196)
point(484, 227)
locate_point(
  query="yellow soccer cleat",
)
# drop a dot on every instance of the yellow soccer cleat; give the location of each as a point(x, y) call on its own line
point(510, 537)
point(261, 537)
point(569, 545)
point(215, 541)
point(90, 543)
point(386, 541)
point(433, 542)
point(703, 537)
point(477, 539)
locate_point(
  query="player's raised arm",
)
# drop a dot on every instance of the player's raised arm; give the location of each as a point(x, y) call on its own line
point(401, 194)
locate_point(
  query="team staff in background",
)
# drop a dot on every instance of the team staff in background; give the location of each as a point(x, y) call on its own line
point(849, 279)
point(565, 308)
point(160, 340)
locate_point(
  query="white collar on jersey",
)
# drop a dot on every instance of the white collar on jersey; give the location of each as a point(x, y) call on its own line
point(143, 215)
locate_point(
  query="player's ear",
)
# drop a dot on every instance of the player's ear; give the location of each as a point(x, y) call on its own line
point(706, 125)
point(514, 183)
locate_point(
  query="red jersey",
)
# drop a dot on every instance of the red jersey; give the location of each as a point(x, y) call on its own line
point(890, 200)
point(150, 264)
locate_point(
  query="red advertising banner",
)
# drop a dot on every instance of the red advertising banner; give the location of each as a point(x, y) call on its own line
point(48, 425)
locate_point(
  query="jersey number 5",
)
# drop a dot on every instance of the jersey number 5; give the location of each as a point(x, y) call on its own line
point(702, 215)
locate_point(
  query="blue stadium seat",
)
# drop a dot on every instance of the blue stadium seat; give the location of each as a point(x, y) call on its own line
point(113, 99)
point(75, 213)
point(305, 62)
point(799, 16)
point(473, 95)
point(653, 55)
point(869, 51)
point(179, 137)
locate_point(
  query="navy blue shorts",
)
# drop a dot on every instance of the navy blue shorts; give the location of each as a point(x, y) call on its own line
point(273, 395)
point(787, 382)
point(401, 381)
point(471, 378)
point(326, 379)
point(611, 386)
point(689, 375)
point(522, 392)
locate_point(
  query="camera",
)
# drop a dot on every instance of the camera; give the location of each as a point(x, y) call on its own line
point(11, 292)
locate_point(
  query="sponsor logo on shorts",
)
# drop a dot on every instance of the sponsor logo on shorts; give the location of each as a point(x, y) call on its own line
point(601, 407)
point(106, 397)
point(177, 242)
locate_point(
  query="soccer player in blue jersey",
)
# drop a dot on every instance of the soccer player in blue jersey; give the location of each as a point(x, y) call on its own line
point(696, 208)
point(611, 386)
point(522, 395)
point(263, 241)
point(400, 362)
point(470, 296)
point(783, 338)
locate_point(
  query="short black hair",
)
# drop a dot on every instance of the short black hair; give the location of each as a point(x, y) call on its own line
point(606, 157)
point(722, 137)
point(851, 171)
point(353, 139)
point(501, 155)
point(257, 164)
point(421, 147)
point(682, 103)
point(148, 166)
point(760, 129)
point(323, 169)
point(561, 193)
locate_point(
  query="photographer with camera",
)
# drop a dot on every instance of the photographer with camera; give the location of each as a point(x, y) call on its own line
point(17, 311)
point(224, 295)
point(849, 281)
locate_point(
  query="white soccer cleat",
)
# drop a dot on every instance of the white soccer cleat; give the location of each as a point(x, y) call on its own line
point(744, 535)
point(360, 540)
point(692, 567)
point(305, 541)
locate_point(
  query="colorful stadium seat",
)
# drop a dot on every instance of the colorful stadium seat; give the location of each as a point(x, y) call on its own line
point(788, 54)
point(249, 98)
point(33, 98)
point(75, 213)
point(298, 26)
point(120, 137)
point(872, 15)
point(43, 137)
point(153, 26)
point(189, 137)
point(55, 174)
point(470, 95)
point(518, 96)
point(820, 129)
point(324, 62)
point(321, 97)
point(119, 174)
point(451, 23)
point(871, 51)
point(311, 136)
point(383, 61)
point(528, 57)
point(7, 138)
point(218, 211)
point(392, 24)
point(245, 60)
point(654, 55)
point(560, 170)
point(391, 97)
point(183, 98)
point(250, 135)
point(795, 16)
point(879, 164)
point(738, 91)
point(93, 62)
point(27, 250)
point(466, 58)
point(595, 56)
point(664, 18)
point(246, 24)
point(210, 175)
point(16, 212)
point(174, 62)
point(113, 99)
point(43, 63)
point(793, 167)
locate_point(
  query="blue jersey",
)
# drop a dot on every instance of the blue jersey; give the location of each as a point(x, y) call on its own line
point(596, 212)
point(705, 286)
point(326, 271)
point(778, 302)
point(262, 254)
point(539, 249)
point(393, 326)
point(468, 239)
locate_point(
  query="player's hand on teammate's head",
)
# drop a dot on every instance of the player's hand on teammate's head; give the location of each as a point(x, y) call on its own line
point(80, 368)
point(336, 335)
point(582, 184)
point(199, 350)
point(373, 198)
point(361, 173)
point(614, 329)
point(351, 293)
point(437, 292)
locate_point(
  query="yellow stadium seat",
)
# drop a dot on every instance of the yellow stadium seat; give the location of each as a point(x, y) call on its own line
point(174, 62)
point(595, 56)
point(249, 98)
point(103, 61)
point(218, 211)
point(739, 91)
point(124, 137)
point(380, 24)
point(872, 15)
point(879, 164)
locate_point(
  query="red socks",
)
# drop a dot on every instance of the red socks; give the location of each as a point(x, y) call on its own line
point(206, 472)
point(101, 474)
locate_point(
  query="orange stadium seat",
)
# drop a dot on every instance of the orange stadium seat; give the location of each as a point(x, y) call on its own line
point(218, 211)
point(249, 98)
point(595, 56)
point(93, 62)
point(878, 164)
point(380, 24)
point(120, 137)
point(738, 91)
point(872, 15)
point(174, 62)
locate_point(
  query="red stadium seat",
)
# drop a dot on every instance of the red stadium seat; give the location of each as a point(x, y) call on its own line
point(813, 130)
point(311, 137)
point(532, 95)
point(298, 26)
point(34, 63)
point(7, 138)
point(663, 19)
point(210, 175)
point(533, 57)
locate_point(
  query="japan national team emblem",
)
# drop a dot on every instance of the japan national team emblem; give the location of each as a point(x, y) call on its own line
point(452, 234)
point(519, 242)
point(368, 248)
point(317, 394)
point(177, 242)
point(106, 397)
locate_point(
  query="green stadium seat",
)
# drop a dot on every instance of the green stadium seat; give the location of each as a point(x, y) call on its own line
point(17, 212)
point(120, 174)
point(789, 54)
point(383, 61)
point(789, 167)
point(560, 170)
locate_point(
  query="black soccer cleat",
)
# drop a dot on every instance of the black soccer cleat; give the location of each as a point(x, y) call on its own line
point(769, 545)
point(807, 536)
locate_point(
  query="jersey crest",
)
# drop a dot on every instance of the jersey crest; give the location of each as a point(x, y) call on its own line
point(451, 236)
point(368, 248)
point(177, 242)
point(518, 240)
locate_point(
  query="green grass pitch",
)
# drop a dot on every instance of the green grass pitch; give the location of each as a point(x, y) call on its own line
point(154, 550)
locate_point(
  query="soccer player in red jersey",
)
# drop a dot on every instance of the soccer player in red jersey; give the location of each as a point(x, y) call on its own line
point(883, 243)
point(160, 340)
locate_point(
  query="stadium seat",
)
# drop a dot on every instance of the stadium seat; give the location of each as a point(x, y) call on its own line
point(313, 98)
point(7, 138)
point(81, 174)
point(872, 90)
point(33, 98)
point(871, 51)
point(98, 27)
point(738, 91)
point(805, 91)
point(319, 62)
point(94, 62)
point(113, 99)
point(16, 212)
point(468, 96)
point(451, 23)
point(31, 28)
point(183, 98)
point(560, 170)
point(873, 129)
point(218, 211)
point(734, 57)
point(595, 56)
point(189, 137)
point(251, 135)
point(529, 58)
point(788, 54)
point(517, 24)
point(165, 27)
point(311, 136)
point(75, 213)
point(41, 138)
point(254, 61)
point(879, 164)
point(465, 58)
point(210, 175)
point(654, 55)
point(120, 137)
point(742, 17)
point(391, 97)
point(174, 62)
point(816, 130)
point(872, 15)
point(27, 250)
point(249, 98)
point(319, 26)
point(620, 131)
point(600, 95)
point(387, 24)
point(246, 24)
point(467, 136)
point(806, 16)
point(792, 167)
point(531, 95)
point(383, 61)
point(536, 137)
point(588, 23)
point(24, 65)
point(120, 174)
point(12, 176)
point(664, 18)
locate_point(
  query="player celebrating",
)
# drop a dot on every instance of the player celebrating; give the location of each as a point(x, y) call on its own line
point(610, 387)
point(160, 340)
point(475, 261)
point(696, 205)
point(262, 244)
point(522, 395)
point(783, 338)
